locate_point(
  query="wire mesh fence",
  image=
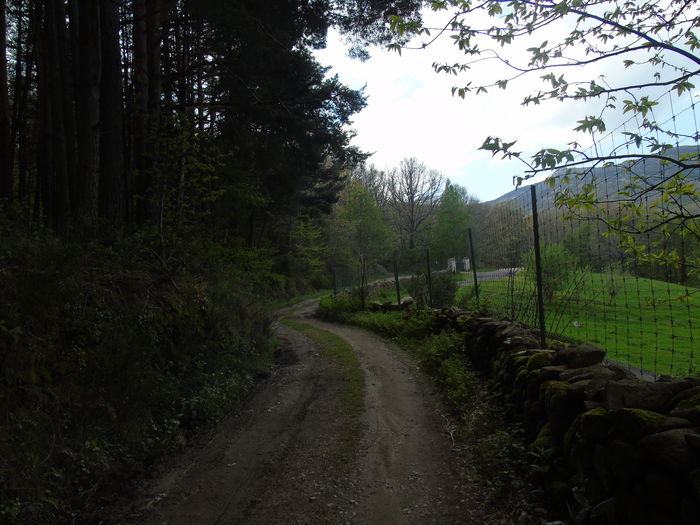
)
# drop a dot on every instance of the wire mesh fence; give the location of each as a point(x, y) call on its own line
point(592, 288)
point(408, 273)
point(618, 246)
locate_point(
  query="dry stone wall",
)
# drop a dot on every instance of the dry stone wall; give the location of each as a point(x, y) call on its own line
point(612, 447)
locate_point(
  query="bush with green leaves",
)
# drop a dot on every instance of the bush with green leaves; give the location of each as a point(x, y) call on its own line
point(467, 299)
point(412, 323)
point(338, 307)
point(442, 357)
point(559, 269)
point(441, 289)
point(417, 287)
point(444, 289)
point(111, 360)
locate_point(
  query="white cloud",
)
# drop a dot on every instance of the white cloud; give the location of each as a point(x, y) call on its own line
point(411, 112)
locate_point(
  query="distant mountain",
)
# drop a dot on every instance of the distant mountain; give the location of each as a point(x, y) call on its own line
point(608, 180)
point(513, 194)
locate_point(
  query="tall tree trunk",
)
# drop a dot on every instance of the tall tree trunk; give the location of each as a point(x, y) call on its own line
point(170, 66)
point(140, 112)
point(6, 169)
point(17, 91)
point(67, 51)
point(112, 189)
point(25, 134)
point(45, 142)
point(34, 204)
point(154, 43)
point(155, 16)
point(127, 57)
point(55, 189)
point(88, 113)
point(199, 82)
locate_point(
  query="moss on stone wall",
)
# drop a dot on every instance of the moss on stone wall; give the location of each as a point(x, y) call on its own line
point(612, 448)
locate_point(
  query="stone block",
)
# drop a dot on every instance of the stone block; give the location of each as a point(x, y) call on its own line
point(534, 379)
point(636, 423)
point(625, 463)
point(691, 400)
point(694, 480)
point(669, 449)
point(563, 405)
point(543, 441)
point(629, 393)
point(594, 425)
point(598, 371)
point(662, 489)
point(601, 463)
point(549, 373)
point(690, 510)
point(540, 359)
point(579, 356)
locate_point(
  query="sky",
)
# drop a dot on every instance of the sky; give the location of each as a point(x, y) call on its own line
point(411, 113)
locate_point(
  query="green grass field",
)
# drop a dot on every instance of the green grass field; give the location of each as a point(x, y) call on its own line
point(644, 323)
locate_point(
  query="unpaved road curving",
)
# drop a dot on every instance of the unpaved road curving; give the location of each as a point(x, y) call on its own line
point(283, 459)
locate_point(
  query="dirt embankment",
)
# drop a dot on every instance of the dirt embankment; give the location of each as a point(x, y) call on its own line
point(285, 458)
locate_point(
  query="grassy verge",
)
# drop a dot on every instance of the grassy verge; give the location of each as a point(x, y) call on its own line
point(352, 377)
point(494, 452)
point(644, 323)
point(282, 303)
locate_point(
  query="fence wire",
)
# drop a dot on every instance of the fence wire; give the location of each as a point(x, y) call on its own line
point(634, 295)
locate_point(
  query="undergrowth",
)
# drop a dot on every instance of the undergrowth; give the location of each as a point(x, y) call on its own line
point(112, 356)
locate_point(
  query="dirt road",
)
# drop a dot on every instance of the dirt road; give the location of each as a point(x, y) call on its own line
point(283, 460)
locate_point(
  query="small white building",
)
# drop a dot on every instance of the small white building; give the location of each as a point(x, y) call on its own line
point(452, 265)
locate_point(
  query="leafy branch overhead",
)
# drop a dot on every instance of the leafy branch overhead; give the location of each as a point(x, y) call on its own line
point(649, 40)
point(648, 50)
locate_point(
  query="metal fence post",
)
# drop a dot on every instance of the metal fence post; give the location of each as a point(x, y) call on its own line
point(471, 253)
point(430, 280)
point(538, 264)
point(396, 278)
point(363, 278)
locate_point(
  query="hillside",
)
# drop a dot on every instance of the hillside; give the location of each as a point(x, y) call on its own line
point(609, 180)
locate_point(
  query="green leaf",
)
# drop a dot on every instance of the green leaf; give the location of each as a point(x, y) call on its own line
point(591, 124)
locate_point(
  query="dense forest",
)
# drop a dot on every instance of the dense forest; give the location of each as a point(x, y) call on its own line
point(118, 115)
point(164, 165)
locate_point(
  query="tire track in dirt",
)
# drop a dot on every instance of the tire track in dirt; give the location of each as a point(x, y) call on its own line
point(405, 460)
point(280, 462)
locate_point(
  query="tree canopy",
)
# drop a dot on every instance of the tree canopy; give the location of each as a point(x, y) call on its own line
point(449, 237)
point(174, 112)
point(414, 191)
point(358, 227)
